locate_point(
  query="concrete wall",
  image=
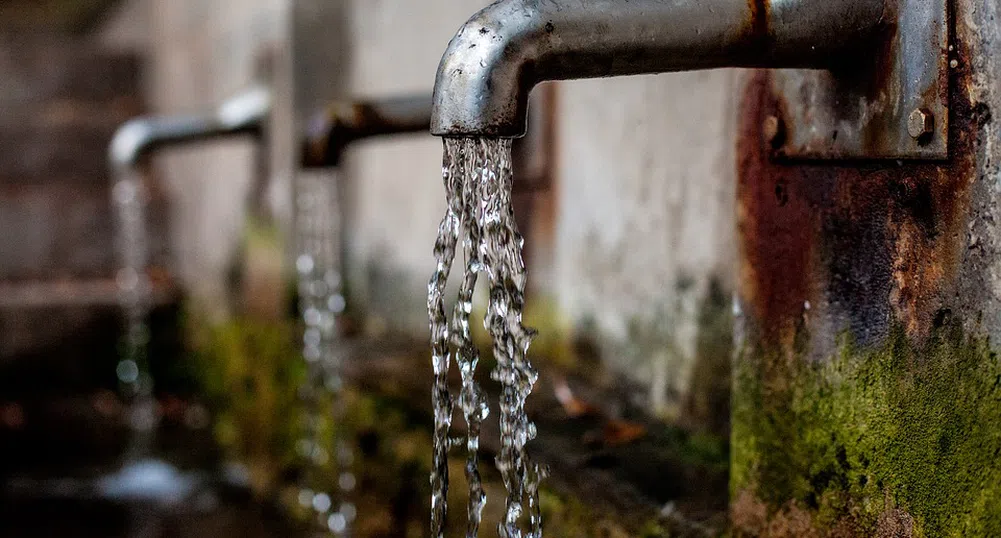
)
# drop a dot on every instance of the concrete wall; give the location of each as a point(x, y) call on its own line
point(201, 53)
point(394, 193)
point(644, 200)
point(643, 227)
point(645, 219)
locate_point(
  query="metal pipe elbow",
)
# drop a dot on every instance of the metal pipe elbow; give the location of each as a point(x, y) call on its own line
point(484, 77)
point(501, 53)
point(341, 124)
point(244, 113)
point(131, 141)
point(247, 111)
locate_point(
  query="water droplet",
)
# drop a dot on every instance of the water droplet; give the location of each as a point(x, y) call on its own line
point(321, 502)
point(337, 523)
point(349, 511)
point(346, 481)
point(312, 337)
point(127, 279)
point(336, 304)
point(318, 281)
point(128, 371)
point(320, 456)
point(125, 192)
point(304, 264)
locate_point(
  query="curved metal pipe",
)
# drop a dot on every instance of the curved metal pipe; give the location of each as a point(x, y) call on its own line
point(244, 113)
point(500, 54)
point(341, 124)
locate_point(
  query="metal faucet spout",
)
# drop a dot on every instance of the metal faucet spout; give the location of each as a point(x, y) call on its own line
point(499, 55)
point(344, 123)
point(245, 113)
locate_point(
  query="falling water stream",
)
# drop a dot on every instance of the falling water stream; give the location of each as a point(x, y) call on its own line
point(478, 184)
point(326, 455)
point(139, 475)
point(321, 302)
point(135, 296)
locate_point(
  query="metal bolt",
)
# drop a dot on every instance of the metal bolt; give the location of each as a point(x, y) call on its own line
point(773, 131)
point(921, 123)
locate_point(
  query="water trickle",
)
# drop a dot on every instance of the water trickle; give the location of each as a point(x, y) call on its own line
point(135, 297)
point(326, 455)
point(478, 183)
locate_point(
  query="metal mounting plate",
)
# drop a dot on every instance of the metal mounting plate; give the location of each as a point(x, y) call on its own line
point(863, 110)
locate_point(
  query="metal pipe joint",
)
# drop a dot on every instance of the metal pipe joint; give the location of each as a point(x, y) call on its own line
point(502, 52)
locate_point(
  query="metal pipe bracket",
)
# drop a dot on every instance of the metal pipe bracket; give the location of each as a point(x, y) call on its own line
point(886, 100)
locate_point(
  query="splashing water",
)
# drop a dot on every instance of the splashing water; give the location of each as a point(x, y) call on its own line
point(321, 301)
point(478, 184)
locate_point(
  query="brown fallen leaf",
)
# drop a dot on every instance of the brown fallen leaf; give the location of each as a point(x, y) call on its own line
point(573, 406)
point(620, 432)
point(614, 432)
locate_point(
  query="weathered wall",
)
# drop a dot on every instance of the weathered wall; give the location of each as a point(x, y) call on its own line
point(645, 221)
point(201, 53)
point(393, 188)
point(61, 99)
point(637, 256)
point(643, 204)
point(867, 386)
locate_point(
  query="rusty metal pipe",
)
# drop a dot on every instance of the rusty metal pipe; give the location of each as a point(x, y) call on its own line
point(244, 113)
point(344, 123)
point(500, 54)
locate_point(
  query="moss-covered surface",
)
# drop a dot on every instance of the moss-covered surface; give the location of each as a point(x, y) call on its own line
point(249, 371)
point(899, 440)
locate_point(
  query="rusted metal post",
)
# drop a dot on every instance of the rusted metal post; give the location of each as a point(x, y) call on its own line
point(868, 387)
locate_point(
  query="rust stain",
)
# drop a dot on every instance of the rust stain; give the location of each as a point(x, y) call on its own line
point(759, 24)
point(315, 150)
point(774, 222)
point(760, 15)
point(880, 241)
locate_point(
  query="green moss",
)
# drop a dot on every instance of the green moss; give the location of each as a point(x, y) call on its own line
point(907, 426)
point(249, 373)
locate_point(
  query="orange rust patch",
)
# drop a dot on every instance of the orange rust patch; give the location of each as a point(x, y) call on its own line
point(760, 15)
point(759, 24)
point(776, 225)
point(880, 241)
